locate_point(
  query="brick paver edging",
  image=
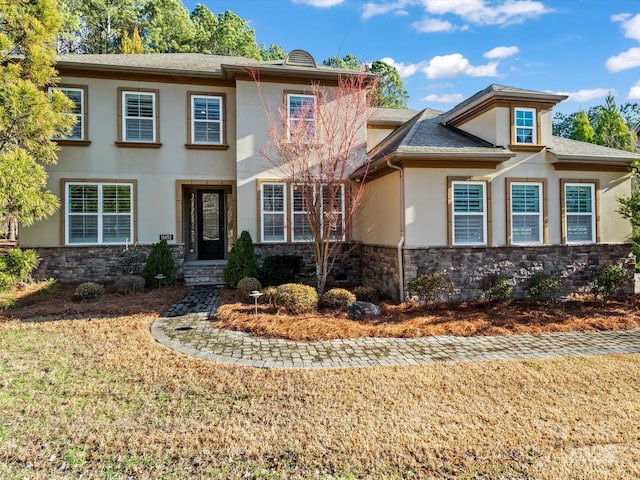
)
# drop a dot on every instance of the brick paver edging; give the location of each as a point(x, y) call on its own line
point(191, 333)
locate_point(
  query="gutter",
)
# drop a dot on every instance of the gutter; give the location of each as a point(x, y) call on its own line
point(402, 230)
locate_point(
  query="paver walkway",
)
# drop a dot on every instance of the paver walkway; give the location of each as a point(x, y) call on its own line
point(186, 327)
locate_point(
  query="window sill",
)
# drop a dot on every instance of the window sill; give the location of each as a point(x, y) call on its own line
point(525, 147)
point(205, 146)
point(73, 143)
point(138, 144)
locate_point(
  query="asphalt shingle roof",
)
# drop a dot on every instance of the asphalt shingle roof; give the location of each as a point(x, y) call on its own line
point(567, 148)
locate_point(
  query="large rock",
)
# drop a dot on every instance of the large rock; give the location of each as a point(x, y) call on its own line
point(360, 310)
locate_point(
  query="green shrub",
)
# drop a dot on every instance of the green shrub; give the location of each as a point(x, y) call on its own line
point(129, 284)
point(6, 282)
point(242, 261)
point(245, 287)
point(132, 260)
point(160, 262)
point(496, 288)
point(19, 263)
point(88, 290)
point(9, 302)
point(608, 280)
point(279, 269)
point(268, 296)
point(337, 299)
point(366, 294)
point(296, 298)
point(544, 287)
point(432, 287)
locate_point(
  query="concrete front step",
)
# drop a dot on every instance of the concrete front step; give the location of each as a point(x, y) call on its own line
point(204, 273)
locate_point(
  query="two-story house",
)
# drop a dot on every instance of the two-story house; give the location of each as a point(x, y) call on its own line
point(168, 146)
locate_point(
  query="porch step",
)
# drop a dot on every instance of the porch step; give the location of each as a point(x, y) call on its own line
point(204, 272)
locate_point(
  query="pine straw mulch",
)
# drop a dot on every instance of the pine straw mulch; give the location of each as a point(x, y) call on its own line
point(413, 320)
point(42, 300)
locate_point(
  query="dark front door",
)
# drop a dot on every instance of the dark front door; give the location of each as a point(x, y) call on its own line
point(210, 224)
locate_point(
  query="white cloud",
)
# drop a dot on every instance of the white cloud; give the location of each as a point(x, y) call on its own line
point(455, 65)
point(501, 52)
point(634, 93)
point(444, 98)
point(624, 60)
point(320, 3)
point(372, 9)
point(586, 95)
point(630, 24)
point(433, 25)
point(404, 70)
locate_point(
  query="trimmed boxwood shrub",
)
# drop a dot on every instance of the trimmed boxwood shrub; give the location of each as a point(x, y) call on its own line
point(245, 287)
point(296, 298)
point(88, 290)
point(337, 299)
point(242, 261)
point(268, 296)
point(159, 262)
point(432, 287)
point(366, 294)
point(279, 269)
point(544, 287)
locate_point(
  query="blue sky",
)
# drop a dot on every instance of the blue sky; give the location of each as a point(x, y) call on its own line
point(446, 50)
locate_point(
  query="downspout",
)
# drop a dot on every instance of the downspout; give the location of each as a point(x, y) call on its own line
point(402, 232)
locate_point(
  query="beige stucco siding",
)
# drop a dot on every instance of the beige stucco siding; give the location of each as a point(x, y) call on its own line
point(426, 200)
point(155, 170)
point(376, 134)
point(378, 219)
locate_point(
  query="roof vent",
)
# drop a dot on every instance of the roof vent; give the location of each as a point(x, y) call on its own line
point(300, 58)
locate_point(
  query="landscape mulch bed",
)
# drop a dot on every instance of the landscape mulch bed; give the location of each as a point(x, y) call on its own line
point(413, 320)
point(39, 300)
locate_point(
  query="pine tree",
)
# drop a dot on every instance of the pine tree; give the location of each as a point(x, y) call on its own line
point(611, 129)
point(29, 118)
point(582, 129)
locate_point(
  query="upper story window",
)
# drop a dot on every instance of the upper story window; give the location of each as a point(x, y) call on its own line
point(579, 212)
point(98, 213)
point(469, 212)
point(301, 116)
point(273, 212)
point(206, 119)
point(139, 117)
point(526, 200)
point(525, 120)
point(78, 96)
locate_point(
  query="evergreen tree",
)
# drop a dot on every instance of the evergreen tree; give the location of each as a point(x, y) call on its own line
point(233, 36)
point(582, 129)
point(274, 52)
point(242, 261)
point(28, 117)
point(168, 26)
point(205, 23)
point(611, 129)
point(133, 44)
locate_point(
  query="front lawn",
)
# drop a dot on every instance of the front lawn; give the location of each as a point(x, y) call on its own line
point(95, 397)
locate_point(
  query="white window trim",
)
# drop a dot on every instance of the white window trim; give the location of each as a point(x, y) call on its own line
point(323, 213)
point(533, 128)
point(125, 117)
point(483, 213)
point(592, 214)
point(528, 214)
point(194, 120)
point(315, 111)
point(283, 212)
point(100, 214)
point(79, 116)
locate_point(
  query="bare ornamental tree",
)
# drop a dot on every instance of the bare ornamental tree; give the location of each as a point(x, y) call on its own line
point(317, 140)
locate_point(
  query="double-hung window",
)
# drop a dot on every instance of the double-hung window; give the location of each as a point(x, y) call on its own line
point(77, 95)
point(469, 212)
point(525, 124)
point(99, 213)
point(206, 120)
point(139, 116)
point(273, 201)
point(579, 212)
point(526, 212)
point(301, 116)
point(331, 211)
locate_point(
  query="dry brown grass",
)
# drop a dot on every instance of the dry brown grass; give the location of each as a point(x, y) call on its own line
point(97, 398)
point(414, 320)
